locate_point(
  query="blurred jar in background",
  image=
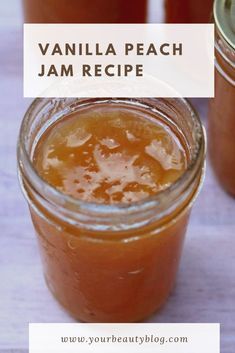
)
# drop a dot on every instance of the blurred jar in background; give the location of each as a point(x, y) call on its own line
point(85, 11)
point(221, 125)
point(188, 11)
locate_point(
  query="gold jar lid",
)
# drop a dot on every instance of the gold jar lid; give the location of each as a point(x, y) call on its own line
point(224, 15)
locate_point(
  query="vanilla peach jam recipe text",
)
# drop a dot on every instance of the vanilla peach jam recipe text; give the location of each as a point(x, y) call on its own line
point(99, 70)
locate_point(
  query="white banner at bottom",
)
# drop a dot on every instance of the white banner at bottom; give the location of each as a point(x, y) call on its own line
point(129, 338)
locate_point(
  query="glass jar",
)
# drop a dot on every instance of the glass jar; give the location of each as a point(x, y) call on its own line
point(188, 11)
point(221, 124)
point(83, 11)
point(111, 263)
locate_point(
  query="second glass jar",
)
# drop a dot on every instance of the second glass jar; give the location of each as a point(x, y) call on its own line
point(188, 11)
point(83, 11)
point(221, 122)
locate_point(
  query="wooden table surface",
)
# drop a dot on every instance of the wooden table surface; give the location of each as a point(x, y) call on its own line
point(205, 290)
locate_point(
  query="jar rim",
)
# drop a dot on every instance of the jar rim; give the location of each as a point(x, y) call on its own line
point(106, 210)
point(223, 14)
point(224, 44)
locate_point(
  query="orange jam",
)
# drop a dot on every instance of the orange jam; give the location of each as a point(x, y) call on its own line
point(110, 155)
point(110, 184)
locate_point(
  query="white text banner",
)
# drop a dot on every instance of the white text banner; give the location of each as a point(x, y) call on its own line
point(124, 60)
point(129, 338)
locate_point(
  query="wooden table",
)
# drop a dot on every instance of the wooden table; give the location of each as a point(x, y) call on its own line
point(205, 290)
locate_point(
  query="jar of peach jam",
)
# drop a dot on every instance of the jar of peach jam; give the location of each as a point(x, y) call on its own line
point(110, 184)
point(221, 125)
point(188, 11)
point(85, 11)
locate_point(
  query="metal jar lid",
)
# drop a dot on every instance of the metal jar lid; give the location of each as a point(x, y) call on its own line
point(224, 15)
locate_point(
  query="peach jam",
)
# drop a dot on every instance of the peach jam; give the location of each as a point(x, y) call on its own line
point(110, 155)
point(110, 184)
